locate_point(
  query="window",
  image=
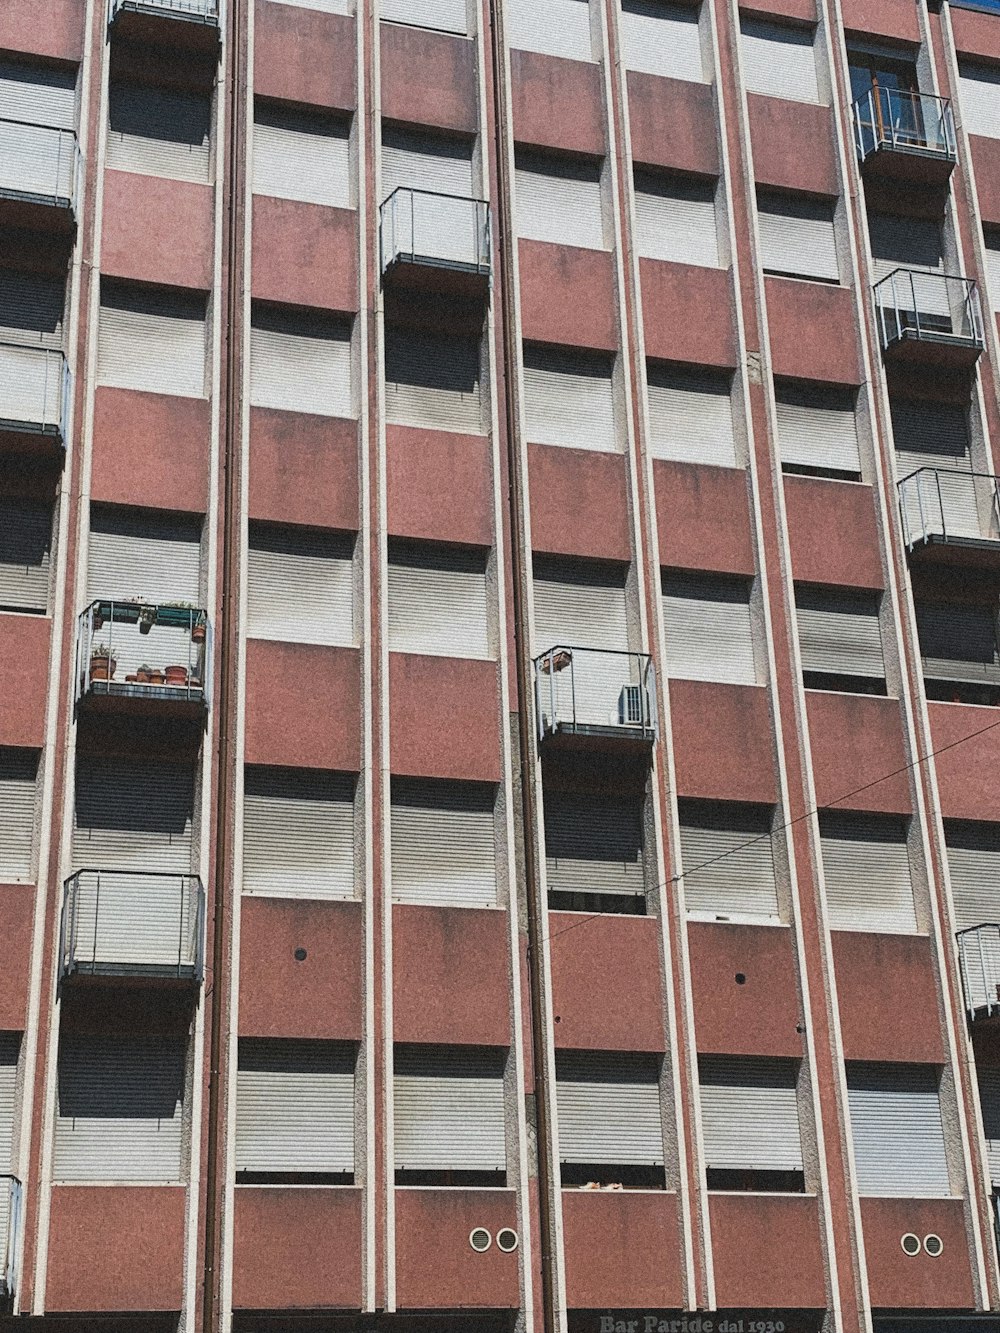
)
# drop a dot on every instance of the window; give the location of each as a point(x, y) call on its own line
point(420, 161)
point(449, 1116)
point(708, 628)
point(661, 38)
point(974, 869)
point(750, 1123)
point(133, 815)
point(10, 1049)
point(558, 28)
point(37, 95)
point(298, 833)
point(610, 1125)
point(797, 237)
point(675, 219)
point(780, 61)
point(301, 361)
point(905, 242)
point(437, 601)
point(817, 430)
point(988, 1076)
point(443, 843)
point(896, 1129)
point(433, 380)
point(25, 552)
point(440, 15)
point(160, 132)
point(300, 585)
point(143, 555)
point(728, 861)
point(569, 398)
point(881, 70)
point(559, 199)
point(979, 98)
point(32, 376)
point(151, 338)
point(294, 1111)
point(691, 414)
point(959, 651)
point(839, 640)
point(946, 499)
point(39, 106)
point(326, 6)
point(593, 852)
point(866, 864)
point(18, 779)
point(31, 309)
point(991, 242)
point(301, 155)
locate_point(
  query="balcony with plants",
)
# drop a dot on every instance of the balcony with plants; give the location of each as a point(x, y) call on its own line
point(152, 658)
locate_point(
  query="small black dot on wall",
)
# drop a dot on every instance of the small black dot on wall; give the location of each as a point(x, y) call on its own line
point(300, 955)
point(741, 979)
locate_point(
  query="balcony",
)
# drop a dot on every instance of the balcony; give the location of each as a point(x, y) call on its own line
point(905, 136)
point(143, 657)
point(191, 24)
point(979, 961)
point(951, 508)
point(39, 175)
point(10, 1228)
point(928, 318)
point(123, 923)
point(585, 693)
point(435, 241)
point(34, 395)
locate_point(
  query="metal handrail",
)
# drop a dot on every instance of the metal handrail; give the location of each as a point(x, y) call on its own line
point(897, 307)
point(101, 617)
point(208, 9)
point(65, 167)
point(10, 1200)
point(903, 122)
point(81, 942)
point(41, 418)
point(980, 967)
point(931, 510)
point(633, 691)
point(404, 235)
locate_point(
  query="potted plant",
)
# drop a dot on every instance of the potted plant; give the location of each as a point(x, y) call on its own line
point(142, 673)
point(198, 629)
point(156, 677)
point(177, 675)
point(102, 664)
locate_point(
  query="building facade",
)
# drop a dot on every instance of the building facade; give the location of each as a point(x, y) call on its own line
point(499, 666)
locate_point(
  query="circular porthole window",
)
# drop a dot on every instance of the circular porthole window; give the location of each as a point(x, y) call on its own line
point(910, 1244)
point(507, 1240)
point(480, 1239)
point(933, 1245)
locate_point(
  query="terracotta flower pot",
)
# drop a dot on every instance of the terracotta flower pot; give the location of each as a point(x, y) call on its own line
point(142, 676)
point(177, 675)
point(102, 668)
point(156, 678)
point(198, 634)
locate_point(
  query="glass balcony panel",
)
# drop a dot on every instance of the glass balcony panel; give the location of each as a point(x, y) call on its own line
point(420, 227)
point(123, 922)
point(979, 960)
point(948, 505)
point(912, 303)
point(10, 1222)
point(33, 388)
point(37, 161)
point(904, 121)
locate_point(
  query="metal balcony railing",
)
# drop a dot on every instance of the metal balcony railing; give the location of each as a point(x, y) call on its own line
point(34, 390)
point(979, 962)
point(133, 923)
point(140, 650)
point(948, 505)
point(914, 304)
point(595, 691)
point(38, 163)
point(10, 1234)
point(203, 11)
point(904, 122)
point(438, 230)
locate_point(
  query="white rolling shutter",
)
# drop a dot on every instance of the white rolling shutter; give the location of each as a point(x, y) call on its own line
point(25, 554)
point(899, 1148)
point(132, 815)
point(298, 833)
point(37, 95)
point(449, 1109)
point(989, 1103)
point(569, 398)
point(958, 642)
point(974, 869)
point(675, 219)
point(935, 435)
point(728, 861)
point(443, 843)
point(153, 340)
point(593, 844)
point(979, 98)
point(779, 61)
point(559, 199)
point(144, 555)
point(992, 256)
point(557, 28)
point(437, 602)
point(160, 132)
point(904, 242)
point(10, 1048)
point(433, 380)
point(691, 415)
point(749, 1114)
point(839, 632)
point(301, 362)
point(120, 1115)
point(438, 15)
point(709, 630)
point(608, 1106)
point(866, 865)
point(294, 1107)
point(325, 6)
point(297, 155)
point(18, 785)
point(797, 237)
point(579, 604)
point(661, 38)
point(31, 308)
point(817, 429)
point(300, 585)
point(426, 162)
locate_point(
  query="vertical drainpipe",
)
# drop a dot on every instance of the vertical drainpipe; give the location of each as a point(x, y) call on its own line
point(523, 663)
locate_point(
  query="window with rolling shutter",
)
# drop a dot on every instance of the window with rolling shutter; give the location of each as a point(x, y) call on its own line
point(594, 852)
point(608, 1107)
point(904, 242)
point(132, 815)
point(160, 132)
point(153, 339)
point(779, 61)
point(558, 199)
point(727, 854)
point(301, 155)
point(32, 369)
point(840, 641)
point(973, 850)
point(120, 1115)
point(416, 161)
point(991, 254)
point(896, 1129)
point(298, 833)
point(144, 555)
point(301, 361)
point(569, 398)
point(988, 1077)
point(18, 788)
point(449, 1115)
point(443, 843)
point(959, 648)
point(10, 1050)
point(294, 1109)
point(579, 604)
point(662, 38)
point(708, 628)
point(38, 151)
point(37, 95)
point(675, 219)
point(750, 1121)
point(300, 585)
point(433, 380)
point(25, 554)
point(817, 429)
point(866, 866)
point(557, 28)
point(438, 15)
point(797, 237)
point(325, 6)
point(691, 415)
point(31, 308)
point(437, 601)
point(935, 435)
point(979, 98)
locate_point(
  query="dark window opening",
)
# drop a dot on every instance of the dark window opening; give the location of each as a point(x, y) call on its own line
point(833, 681)
point(295, 1177)
point(755, 1181)
point(578, 1175)
point(616, 904)
point(453, 1179)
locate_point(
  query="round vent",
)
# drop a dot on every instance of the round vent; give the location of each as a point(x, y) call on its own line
point(507, 1240)
point(933, 1245)
point(480, 1239)
point(910, 1244)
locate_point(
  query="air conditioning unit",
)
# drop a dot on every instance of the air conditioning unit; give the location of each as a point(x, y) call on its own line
point(630, 709)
